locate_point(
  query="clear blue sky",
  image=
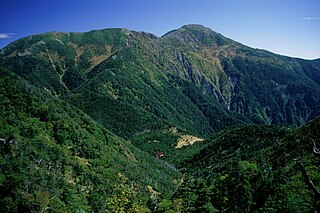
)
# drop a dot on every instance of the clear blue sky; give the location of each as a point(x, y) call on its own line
point(289, 27)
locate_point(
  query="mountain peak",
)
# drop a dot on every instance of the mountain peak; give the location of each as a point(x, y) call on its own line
point(190, 28)
point(197, 35)
point(197, 27)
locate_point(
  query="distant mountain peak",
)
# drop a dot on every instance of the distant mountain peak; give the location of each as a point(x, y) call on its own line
point(190, 28)
point(197, 35)
point(198, 27)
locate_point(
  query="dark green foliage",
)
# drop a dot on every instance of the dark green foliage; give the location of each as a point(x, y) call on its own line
point(218, 117)
point(268, 92)
point(255, 169)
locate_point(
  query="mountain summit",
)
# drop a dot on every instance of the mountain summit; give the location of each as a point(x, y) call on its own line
point(198, 35)
point(190, 28)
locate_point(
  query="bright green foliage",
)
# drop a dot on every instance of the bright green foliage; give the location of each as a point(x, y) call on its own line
point(124, 198)
point(62, 160)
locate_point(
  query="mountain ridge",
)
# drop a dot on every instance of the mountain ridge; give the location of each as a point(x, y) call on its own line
point(199, 26)
point(221, 69)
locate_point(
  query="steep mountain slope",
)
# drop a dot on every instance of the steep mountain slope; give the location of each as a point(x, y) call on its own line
point(265, 87)
point(55, 157)
point(191, 78)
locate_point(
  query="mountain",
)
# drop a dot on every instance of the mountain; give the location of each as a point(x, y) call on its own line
point(261, 85)
point(124, 121)
point(117, 83)
point(191, 78)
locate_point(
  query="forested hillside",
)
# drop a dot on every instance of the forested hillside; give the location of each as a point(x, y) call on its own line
point(255, 169)
point(53, 157)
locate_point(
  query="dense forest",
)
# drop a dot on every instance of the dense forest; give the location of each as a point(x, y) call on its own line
point(121, 121)
point(56, 158)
